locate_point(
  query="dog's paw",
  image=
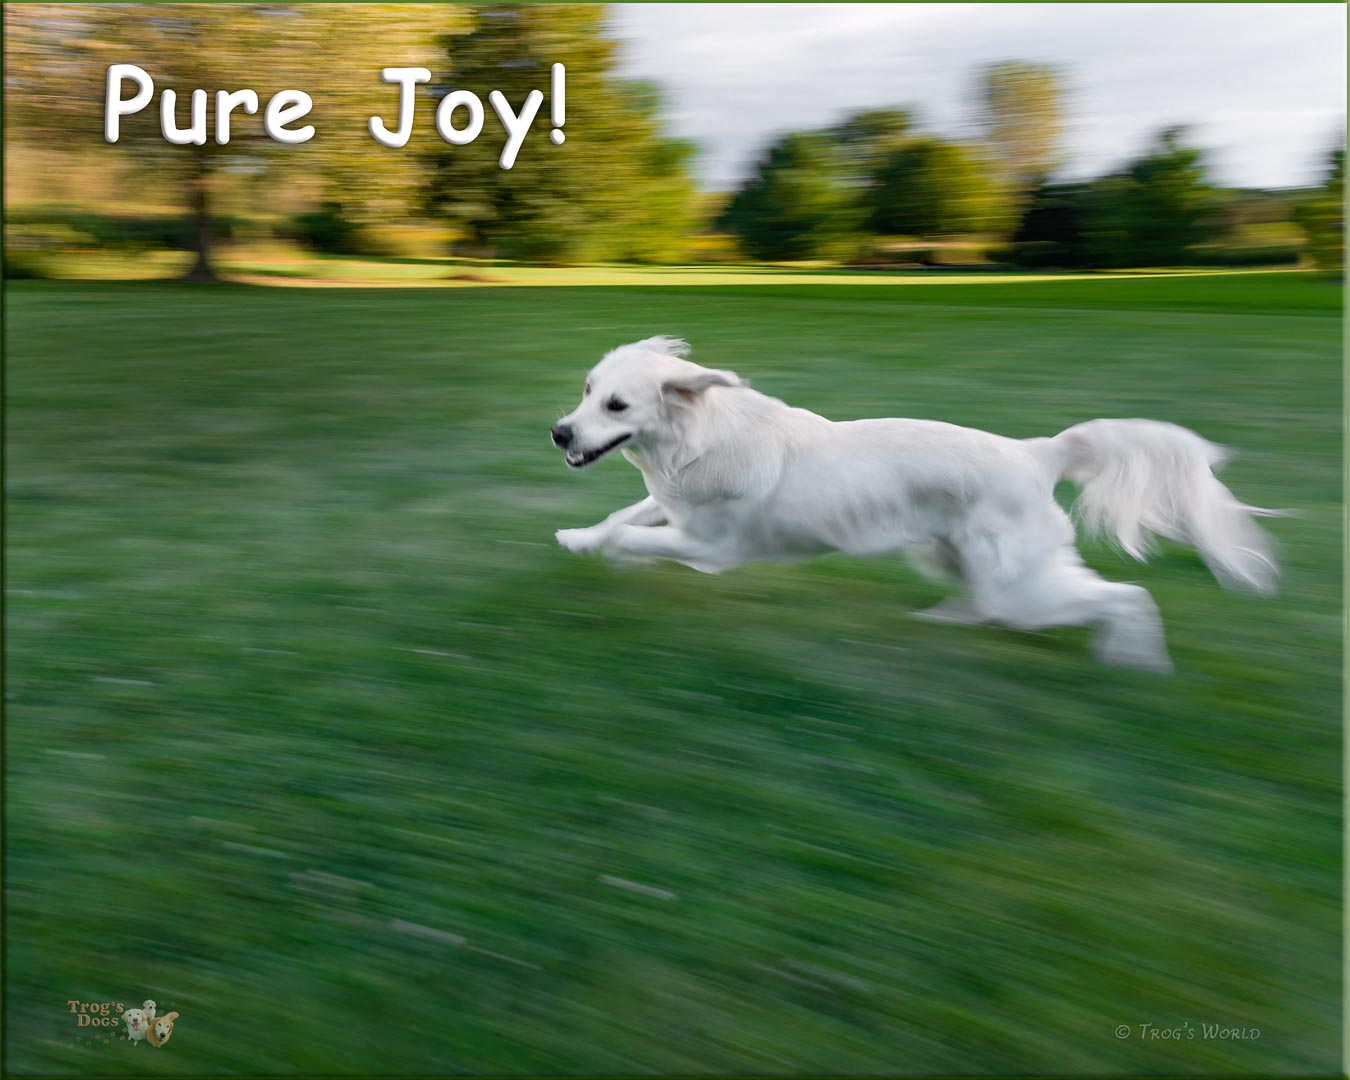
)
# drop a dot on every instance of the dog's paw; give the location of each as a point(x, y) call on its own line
point(580, 541)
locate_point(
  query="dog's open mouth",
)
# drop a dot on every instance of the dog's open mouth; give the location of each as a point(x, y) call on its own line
point(579, 459)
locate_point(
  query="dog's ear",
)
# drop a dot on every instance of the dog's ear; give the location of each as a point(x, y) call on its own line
point(171, 1017)
point(693, 380)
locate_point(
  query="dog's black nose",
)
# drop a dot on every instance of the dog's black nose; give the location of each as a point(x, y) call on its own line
point(562, 436)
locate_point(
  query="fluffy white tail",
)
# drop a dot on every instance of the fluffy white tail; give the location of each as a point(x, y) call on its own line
point(1141, 477)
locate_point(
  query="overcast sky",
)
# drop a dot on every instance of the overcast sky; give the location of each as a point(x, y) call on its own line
point(1263, 84)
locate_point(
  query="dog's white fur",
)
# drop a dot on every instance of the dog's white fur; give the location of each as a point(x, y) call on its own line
point(136, 1025)
point(735, 476)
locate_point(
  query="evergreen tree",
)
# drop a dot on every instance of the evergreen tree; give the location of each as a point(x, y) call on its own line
point(1166, 201)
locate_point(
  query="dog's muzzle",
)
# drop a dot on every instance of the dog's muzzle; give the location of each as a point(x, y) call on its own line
point(579, 459)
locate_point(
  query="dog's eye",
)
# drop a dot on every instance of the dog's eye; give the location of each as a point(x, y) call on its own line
point(586, 392)
point(615, 405)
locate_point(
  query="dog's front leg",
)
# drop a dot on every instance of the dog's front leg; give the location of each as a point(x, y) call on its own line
point(668, 542)
point(586, 541)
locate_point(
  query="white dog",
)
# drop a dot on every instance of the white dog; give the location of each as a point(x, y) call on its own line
point(734, 476)
point(136, 1025)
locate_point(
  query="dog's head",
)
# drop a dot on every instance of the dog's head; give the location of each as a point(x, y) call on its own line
point(632, 397)
point(164, 1028)
point(135, 1019)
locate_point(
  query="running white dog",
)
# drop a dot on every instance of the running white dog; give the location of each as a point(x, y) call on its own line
point(735, 476)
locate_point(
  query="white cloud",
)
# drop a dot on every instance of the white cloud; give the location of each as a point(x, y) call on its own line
point(1264, 85)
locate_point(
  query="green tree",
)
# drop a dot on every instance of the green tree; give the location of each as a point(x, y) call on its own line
point(932, 188)
point(1021, 117)
point(1167, 201)
point(617, 188)
point(865, 139)
point(1107, 220)
point(1322, 217)
point(796, 206)
point(1050, 234)
point(57, 55)
point(1149, 214)
point(347, 46)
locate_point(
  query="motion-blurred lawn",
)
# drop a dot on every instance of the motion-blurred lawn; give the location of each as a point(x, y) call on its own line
point(314, 735)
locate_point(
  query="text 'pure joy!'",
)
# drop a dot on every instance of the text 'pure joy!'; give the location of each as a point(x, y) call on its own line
point(460, 114)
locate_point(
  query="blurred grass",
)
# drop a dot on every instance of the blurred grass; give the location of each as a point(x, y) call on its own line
point(315, 737)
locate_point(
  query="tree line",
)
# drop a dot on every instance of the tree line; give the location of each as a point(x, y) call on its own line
point(876, 177)
point(620, 188)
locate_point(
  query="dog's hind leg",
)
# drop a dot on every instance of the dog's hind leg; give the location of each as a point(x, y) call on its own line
point(1019, 583)
point(1067, 593)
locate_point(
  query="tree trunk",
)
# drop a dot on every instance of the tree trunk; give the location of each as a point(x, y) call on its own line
point(202, 269)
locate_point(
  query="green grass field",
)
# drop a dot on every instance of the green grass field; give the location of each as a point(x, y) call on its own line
point(314, 736)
